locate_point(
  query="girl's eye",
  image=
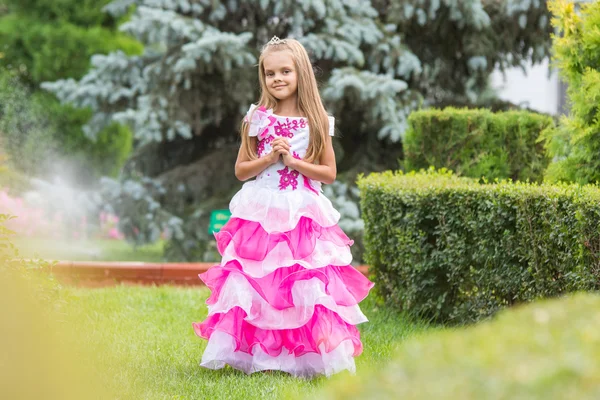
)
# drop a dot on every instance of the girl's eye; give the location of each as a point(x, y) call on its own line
point(286, 71)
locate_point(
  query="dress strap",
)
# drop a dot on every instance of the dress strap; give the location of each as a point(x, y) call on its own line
point(331, 125)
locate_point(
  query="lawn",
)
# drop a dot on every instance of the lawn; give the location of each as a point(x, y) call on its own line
point(144, 346)
point(140, 342)
point(87, 250)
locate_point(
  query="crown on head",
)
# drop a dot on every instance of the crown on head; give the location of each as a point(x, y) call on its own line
point(275, 40)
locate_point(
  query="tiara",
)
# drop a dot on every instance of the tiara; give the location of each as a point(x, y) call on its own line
point(275, 40)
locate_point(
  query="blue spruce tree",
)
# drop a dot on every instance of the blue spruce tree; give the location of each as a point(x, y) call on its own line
point(376, 60)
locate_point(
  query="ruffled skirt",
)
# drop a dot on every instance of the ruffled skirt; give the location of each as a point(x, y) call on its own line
point(285, 296)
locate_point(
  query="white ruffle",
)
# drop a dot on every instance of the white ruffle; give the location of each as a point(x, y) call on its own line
point(221, 350)
point(237, 292)
point(280, 211)
point(325, 254)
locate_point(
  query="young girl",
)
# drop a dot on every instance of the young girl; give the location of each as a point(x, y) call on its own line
point(285, 296)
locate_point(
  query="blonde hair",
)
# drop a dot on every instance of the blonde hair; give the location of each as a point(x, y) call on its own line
point(309, 99)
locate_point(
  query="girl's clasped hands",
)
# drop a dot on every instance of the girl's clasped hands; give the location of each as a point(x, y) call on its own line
point(281, 148)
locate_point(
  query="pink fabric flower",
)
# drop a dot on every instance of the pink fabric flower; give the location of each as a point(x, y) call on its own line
point(260, 122)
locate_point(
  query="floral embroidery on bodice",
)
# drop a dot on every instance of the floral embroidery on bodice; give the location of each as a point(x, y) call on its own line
point(287, 128)
point(267, 126)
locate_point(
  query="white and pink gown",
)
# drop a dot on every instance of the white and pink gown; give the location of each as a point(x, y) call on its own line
point(284, 296)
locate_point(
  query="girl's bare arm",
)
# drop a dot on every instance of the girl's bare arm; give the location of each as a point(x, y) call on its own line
point(325, 171)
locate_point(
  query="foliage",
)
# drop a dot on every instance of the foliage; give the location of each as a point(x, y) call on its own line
point(8, 250)
point(59, 215)
point(370, 52)
point(9, 178)
point(141, 219)
point(575, 144)
point(478, 143)
point(196, 244)
point(453, 250)
point(46, 287)
point(81, 13)
point(104, 155)
point(546, 350)
point(43, 138)
point(34, 341)
point(376, 60)
point(48, 40)
point(41, 50)
point(21, 128)
point(88, 250)
point(345, 198)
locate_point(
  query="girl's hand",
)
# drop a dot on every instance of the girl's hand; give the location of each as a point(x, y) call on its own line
point(281, 148)
point(289, 160)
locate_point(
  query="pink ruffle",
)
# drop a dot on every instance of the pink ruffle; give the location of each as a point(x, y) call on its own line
point(237, 292)
point(254, 243)
point(324, 254)
point(325, 328)
point(345, 285)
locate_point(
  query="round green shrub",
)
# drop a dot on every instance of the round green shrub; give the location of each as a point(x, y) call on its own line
point(546, 350)
point(478, 142)
point(453, 250)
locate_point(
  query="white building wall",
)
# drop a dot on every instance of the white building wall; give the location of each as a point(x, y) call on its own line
point(535, 89)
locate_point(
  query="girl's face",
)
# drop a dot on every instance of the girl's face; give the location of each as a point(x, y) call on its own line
point(280, 75)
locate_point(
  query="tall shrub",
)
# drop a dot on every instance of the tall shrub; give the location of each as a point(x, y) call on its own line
point(457, 251)
point(575, 144)
point(477, 143)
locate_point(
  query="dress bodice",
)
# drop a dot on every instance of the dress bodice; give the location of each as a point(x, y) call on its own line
point(267, 126)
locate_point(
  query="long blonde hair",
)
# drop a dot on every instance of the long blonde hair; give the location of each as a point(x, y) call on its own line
point(309, 100)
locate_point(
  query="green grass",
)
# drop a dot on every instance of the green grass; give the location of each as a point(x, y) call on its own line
point(144, 346)
point(87, 250)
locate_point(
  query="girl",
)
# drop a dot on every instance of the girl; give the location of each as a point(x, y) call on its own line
point(285, 296)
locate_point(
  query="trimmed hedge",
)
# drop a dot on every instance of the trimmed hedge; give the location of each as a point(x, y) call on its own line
point(453, 250)
point(546, 351)
point(478, 143)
